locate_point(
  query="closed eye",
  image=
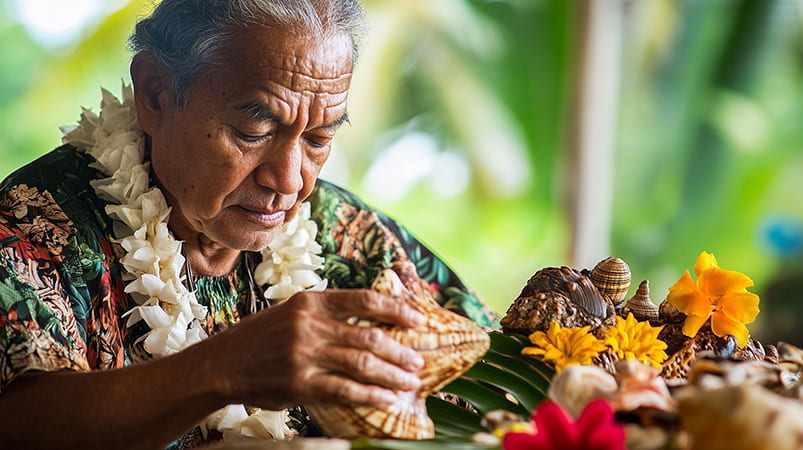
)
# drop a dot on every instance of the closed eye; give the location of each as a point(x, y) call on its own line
point(254, 139)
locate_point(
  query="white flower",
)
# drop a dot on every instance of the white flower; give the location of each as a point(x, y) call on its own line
point(290, 261)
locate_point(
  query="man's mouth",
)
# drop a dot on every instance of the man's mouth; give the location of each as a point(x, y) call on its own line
point(266, 218)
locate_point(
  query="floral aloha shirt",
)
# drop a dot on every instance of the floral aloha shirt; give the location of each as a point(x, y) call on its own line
point(61, 291)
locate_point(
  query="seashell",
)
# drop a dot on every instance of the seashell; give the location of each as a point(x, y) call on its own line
point(709, 373)
point(576, 385)
point(450, 344)
point(685, 351)
point(611, 276)
point(640, 304)
point(556, 293)
point(790, 356)
point(649, 437)
point(640, 386)
point(740, 417)
point(667, 313)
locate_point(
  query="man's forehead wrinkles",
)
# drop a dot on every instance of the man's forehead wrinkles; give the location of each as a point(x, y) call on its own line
point(281, 90)
point(291, 77)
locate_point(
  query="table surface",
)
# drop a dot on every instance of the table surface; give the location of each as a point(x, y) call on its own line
point(294, 444)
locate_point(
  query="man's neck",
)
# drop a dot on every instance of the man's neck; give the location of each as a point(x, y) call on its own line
point(210, 259)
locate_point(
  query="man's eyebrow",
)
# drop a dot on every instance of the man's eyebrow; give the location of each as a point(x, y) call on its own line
point(261, 113)
point(258, 111)
point(337, 122)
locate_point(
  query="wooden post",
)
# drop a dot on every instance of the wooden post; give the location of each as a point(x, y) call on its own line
point(592, 130)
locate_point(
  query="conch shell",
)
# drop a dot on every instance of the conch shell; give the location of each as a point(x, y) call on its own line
point(450, 344)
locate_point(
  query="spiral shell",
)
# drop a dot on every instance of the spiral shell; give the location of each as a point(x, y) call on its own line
point(611, 276)
point(640, 304)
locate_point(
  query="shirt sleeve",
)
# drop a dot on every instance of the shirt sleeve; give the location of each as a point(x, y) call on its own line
point(359, 241)
point(38, 326)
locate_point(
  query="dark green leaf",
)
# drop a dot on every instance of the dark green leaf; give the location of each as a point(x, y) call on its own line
point(504, 343)
point(453, 416)
point(482, 397)
point(527, 394)
point(533, 371)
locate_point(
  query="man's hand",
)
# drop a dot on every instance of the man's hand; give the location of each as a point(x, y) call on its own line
point(304, 351)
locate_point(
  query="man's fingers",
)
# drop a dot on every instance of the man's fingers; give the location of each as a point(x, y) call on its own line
point(331, 388)
point(374, 340)
point(372, 305)
point(367, 368)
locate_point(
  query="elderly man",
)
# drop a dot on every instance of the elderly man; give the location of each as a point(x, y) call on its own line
point(162, 222)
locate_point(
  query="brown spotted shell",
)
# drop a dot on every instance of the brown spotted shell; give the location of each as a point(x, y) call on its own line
point(450, 344)
point(684, 351)
point(612, 277)
point(556, 293)
point(641, 305)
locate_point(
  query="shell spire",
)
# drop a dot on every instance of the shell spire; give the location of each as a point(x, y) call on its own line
point(640, 304)
point(611, 276)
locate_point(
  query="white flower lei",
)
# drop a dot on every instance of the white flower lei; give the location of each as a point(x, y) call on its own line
point(153, 261)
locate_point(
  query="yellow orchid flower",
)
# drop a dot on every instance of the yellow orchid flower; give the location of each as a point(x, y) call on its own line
point(719, 294)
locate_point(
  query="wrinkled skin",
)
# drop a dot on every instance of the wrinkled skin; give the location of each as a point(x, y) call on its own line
point(234, 162)
point(238, 158)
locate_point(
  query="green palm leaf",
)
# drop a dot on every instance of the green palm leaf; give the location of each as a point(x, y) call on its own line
point(503, 379)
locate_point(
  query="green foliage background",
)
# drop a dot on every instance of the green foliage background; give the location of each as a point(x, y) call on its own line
point(708, 152)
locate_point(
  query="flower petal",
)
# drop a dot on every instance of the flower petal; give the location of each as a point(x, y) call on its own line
point(715, 281)
point(740, 306)
point(554, 426)
point(598, 428)
point(723, 325)
point(692, 324)
point(519, 441)
point(685, 296)
point(704, 262)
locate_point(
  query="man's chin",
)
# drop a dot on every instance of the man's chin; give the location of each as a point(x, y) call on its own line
point(250, 241)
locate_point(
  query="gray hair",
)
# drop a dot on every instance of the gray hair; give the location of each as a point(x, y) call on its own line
point(187, 36)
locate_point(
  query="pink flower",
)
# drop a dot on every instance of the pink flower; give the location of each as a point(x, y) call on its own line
point(595, 429)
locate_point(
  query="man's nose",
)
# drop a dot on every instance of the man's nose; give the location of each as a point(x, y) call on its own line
point(280, 168)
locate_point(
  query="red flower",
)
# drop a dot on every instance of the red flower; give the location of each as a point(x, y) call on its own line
point(595, 429)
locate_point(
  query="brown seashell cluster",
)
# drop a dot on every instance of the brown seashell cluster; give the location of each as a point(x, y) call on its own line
point(568, 296)
point(450, 344)
point(709, 393)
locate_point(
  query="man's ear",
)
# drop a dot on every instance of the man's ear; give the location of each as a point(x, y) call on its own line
point(151, 90)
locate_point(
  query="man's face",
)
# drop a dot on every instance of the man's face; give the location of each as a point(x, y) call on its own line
point(236, 161)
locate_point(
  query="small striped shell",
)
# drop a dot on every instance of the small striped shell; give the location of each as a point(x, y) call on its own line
point(611, 276)
point(640, 304)
point(450, 344)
